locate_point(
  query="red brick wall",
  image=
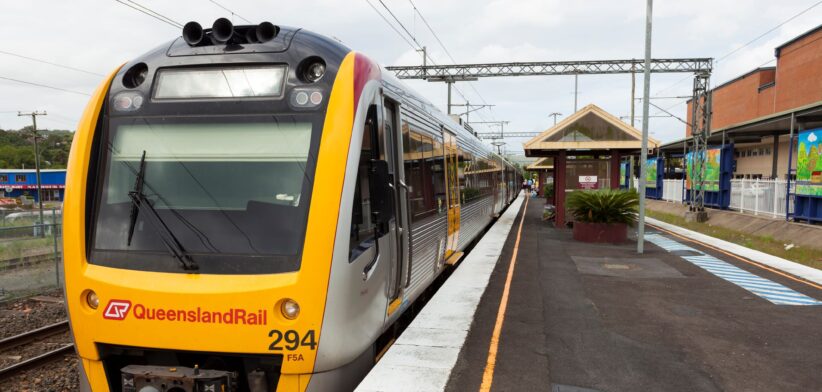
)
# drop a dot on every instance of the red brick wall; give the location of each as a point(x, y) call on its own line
point(798, 82)
point(799, 73)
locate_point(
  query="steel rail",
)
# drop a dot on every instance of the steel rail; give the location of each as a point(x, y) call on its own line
point(36, 361)
point(31, 336)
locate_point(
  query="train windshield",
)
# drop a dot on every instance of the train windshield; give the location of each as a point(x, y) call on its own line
point(233, 191)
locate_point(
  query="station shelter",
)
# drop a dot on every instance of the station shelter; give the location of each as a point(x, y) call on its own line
point(15, 183)
point(587, 150)
point(543, 169)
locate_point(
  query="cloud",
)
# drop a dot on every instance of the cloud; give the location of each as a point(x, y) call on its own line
point(101, 35)
point(812, 137)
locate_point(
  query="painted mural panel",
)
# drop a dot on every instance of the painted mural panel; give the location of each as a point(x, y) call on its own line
point(650, 173)
point(623, 172)
point(809, 163)
point(712, 170)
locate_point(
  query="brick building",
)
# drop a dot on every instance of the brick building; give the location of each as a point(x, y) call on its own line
point(756, 110)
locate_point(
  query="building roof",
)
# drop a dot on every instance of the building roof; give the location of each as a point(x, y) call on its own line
point(797, 38)
point(810, 116)
point(590, 128)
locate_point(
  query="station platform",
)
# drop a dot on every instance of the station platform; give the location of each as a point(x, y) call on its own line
point(553, 314)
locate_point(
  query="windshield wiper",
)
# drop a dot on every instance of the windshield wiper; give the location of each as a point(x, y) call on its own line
point(140, 203)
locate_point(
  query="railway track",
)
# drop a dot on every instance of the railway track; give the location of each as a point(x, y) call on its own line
point(30, 337)
point(26, 261)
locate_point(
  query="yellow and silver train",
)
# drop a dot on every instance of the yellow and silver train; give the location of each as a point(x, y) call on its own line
point(249, 208)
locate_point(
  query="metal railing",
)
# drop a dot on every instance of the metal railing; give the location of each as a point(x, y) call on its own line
point(761, 197)
point(30, 256)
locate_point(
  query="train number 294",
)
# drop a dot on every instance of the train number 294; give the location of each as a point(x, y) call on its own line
point(290, 340)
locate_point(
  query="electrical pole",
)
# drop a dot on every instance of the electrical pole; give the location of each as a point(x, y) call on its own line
point(646, 87)
point(34, 115)
point(633, 93)
point(554, 115)
point(576, 91)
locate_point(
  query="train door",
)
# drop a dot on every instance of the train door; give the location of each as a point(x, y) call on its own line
point(453, 187)
point(400, 239)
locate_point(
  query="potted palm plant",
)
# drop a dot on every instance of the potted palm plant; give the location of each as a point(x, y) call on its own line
point(548, 192)
point(603, 215)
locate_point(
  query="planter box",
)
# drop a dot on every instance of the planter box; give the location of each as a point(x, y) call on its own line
point(601, 232)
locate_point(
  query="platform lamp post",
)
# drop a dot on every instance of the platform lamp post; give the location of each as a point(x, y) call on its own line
point(646, 87)
point(37, 164)
point(498, 145)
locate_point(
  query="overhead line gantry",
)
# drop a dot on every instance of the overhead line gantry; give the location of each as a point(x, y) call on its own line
point(700, 67)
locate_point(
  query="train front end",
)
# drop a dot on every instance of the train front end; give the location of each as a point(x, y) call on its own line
point(201, 211)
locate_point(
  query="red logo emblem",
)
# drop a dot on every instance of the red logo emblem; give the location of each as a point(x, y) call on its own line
point(117, 309)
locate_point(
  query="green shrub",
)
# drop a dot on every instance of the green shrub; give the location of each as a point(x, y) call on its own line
point(548, 191)
point(604, 206)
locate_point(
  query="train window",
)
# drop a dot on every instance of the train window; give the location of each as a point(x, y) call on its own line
point(4, 178)
point(468, 179)
point(233, 190)
point(362, 228)
point(421, 168)
point(438, 176)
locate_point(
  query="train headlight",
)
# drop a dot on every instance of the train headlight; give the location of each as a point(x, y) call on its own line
point(128, 101)
point(311, 69)
point(290, 308)
point(92, 300)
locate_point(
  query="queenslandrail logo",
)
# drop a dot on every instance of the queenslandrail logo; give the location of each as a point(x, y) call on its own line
point(119, 309)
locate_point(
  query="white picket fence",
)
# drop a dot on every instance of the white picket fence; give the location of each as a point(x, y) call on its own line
point(761, 197)
point(672, 190)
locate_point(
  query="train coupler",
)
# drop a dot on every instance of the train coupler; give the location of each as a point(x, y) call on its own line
point(139, 378)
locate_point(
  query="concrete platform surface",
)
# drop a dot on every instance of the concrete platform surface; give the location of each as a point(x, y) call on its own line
point(583, 317)
point(423, 356)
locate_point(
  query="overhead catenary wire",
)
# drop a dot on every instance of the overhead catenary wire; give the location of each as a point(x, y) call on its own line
point(232, 12)
point(50, 63)
point(148, 11)
point(732, 52)
point(45, 86)
point(415, 45)
point(444, 48)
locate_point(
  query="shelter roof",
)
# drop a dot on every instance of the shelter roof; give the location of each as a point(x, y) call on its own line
point(542, 164)
point(590, 128)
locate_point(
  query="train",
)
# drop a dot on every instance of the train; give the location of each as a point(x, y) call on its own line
point(252, 208)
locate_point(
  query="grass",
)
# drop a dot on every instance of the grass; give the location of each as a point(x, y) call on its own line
point(767, 244)
point(28, 246)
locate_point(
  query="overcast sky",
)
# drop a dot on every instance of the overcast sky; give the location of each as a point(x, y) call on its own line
point(97, 36)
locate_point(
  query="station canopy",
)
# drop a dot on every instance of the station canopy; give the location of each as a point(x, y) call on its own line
point(591, 130)
point(542, 164)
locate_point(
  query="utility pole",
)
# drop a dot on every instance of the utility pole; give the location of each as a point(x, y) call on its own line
point(34, 115)
point(576, 91)
point(646, 87)
point(554, 115)
point(633, 93)
point(424, 60)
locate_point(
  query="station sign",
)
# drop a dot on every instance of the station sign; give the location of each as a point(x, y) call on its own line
point(9, 188)
point(588, 182)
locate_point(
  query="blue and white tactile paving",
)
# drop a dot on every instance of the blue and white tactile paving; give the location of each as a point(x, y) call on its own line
point(764, 288)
